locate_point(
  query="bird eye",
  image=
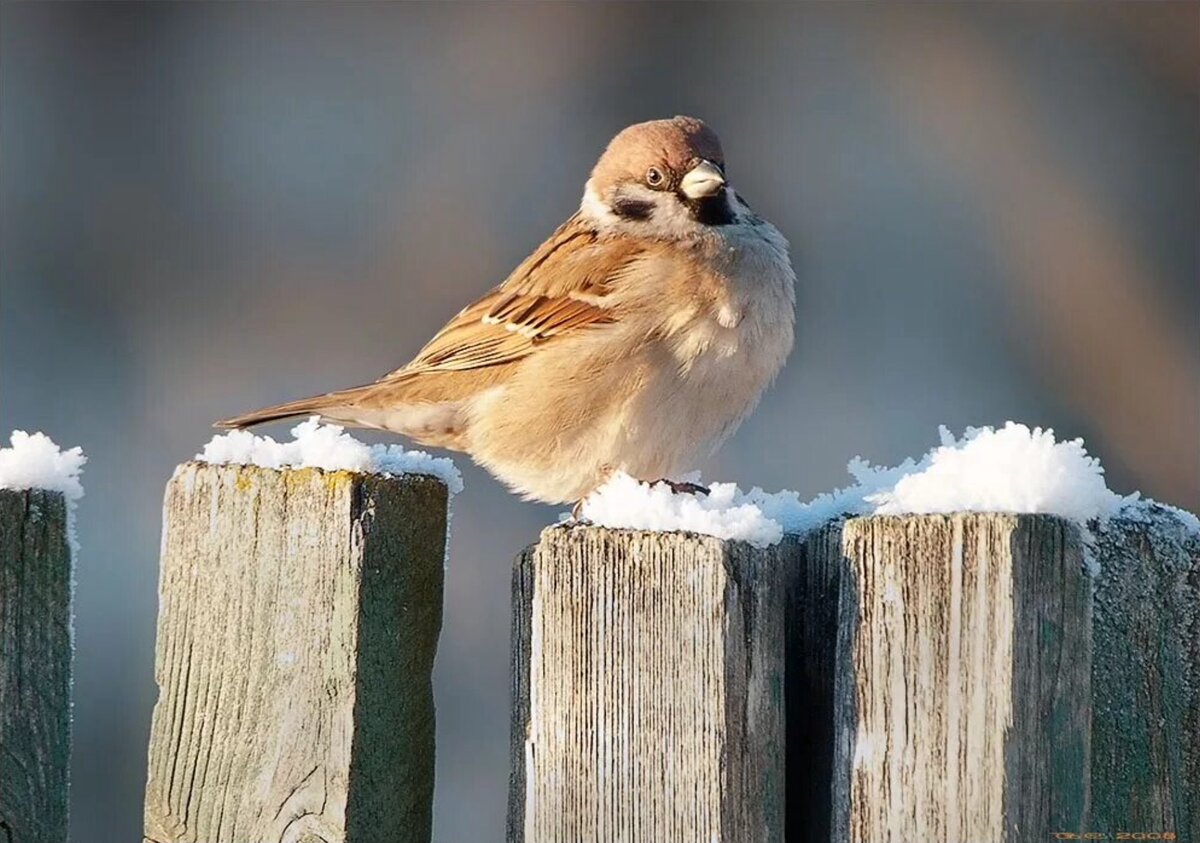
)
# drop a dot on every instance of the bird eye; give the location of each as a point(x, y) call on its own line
point(654, 177)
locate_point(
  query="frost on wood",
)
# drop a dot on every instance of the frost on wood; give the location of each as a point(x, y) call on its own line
point(648, 685)
point(1146, 673)
point(35, 665)
point(298, 621)
point(328, 447)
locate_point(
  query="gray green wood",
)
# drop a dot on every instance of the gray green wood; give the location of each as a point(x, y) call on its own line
point(962, 679)
point(648, 689)
point(814, 587)
point(35, 666)
point(298, 621)
point(1146, 676)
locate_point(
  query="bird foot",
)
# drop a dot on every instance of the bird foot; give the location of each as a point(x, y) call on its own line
point(682, 488)
point(577, 519)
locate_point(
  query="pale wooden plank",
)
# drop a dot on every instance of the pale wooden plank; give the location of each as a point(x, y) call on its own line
point(963, 679)
point(648, 683)
point(298, 621)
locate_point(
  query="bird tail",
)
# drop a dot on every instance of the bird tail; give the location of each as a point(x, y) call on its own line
point(335, 406)
point(381, 405)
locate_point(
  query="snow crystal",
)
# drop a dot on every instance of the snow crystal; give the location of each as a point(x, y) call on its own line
point(1012, 469)
point(328, 447)
point(35, 462)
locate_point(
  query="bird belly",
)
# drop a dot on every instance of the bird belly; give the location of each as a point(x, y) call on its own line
point(557, 433)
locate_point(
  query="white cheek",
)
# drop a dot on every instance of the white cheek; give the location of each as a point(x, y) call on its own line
point(671, 219)
point(593, 208)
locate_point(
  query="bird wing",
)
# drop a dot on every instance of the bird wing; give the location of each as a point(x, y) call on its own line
point(563, 287)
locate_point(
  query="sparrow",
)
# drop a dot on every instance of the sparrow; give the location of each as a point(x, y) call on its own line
point(636, 338)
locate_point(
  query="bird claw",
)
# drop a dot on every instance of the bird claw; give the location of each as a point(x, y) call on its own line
point(577, 519)
point(683, 488)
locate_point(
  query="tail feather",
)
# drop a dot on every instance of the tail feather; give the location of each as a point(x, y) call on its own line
point(430, 419)
point(327, 405)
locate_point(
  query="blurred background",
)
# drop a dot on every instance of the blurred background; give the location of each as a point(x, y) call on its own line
point(205, 208)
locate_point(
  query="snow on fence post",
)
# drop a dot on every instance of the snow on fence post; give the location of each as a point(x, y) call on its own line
point(299, 616)
point(35, 666)
point(962, 679)
point(648, 688)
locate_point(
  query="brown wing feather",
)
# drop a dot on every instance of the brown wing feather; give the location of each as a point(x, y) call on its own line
point(560, 288)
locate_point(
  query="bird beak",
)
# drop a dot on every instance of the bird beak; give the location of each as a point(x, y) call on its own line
point(705, 179)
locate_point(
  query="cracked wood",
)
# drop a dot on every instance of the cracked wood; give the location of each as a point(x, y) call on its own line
point(298, 620)
point(647, 689)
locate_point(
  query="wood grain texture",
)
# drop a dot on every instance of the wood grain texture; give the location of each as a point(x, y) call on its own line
point(298, 621)
point(648, 683)
point(1146, 676)
point(962, 683)
point(35, 666)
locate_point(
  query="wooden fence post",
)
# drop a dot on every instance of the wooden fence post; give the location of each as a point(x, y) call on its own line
point(35, 666)
point(299, 616)
point(1146, 677)
point(647, 688)
point(962, 687)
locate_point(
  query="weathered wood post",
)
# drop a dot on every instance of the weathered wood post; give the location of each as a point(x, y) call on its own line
point(35, 666)
point(648, 688)
point(1146, 675)
point(298, 621)
point(962, 679)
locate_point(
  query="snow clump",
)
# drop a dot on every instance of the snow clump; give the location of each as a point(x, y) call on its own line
point(1012, 469)
point(327, 447)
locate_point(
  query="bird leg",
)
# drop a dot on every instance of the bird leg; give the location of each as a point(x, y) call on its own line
point(682, 488)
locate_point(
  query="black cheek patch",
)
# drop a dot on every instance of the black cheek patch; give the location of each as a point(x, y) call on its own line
point(633, 209)
point(711, 210)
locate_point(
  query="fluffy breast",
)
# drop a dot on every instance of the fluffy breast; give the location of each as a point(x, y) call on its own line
point(742, 301)
point(733, 339)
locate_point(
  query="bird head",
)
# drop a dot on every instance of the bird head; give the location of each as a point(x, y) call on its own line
point(662, 177)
